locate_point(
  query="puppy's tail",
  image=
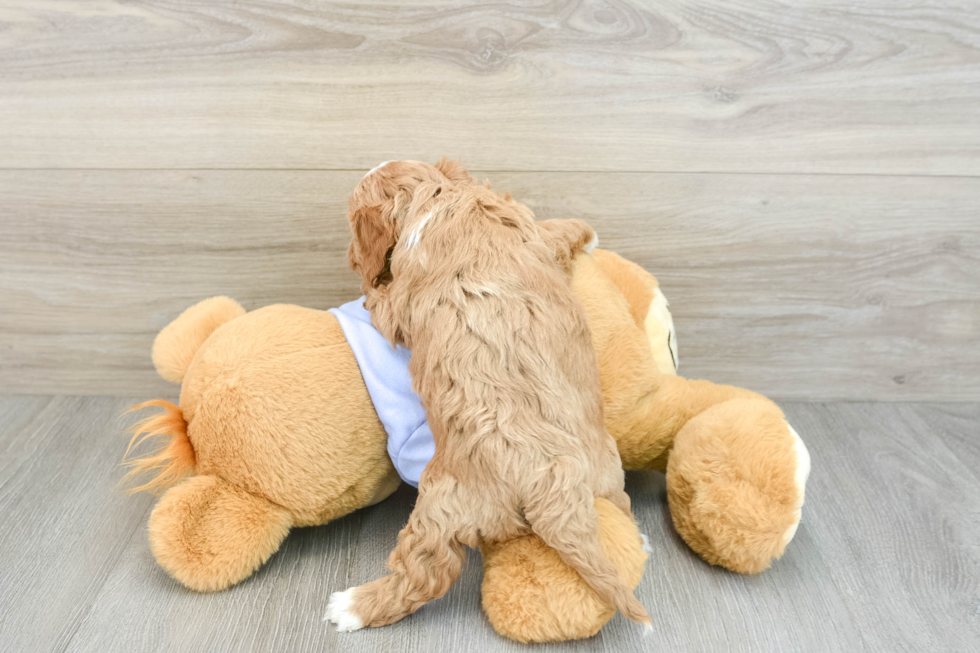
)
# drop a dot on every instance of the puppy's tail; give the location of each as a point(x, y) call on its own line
point(561, 510)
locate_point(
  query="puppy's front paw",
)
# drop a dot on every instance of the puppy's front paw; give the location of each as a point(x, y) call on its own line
point(339, 611)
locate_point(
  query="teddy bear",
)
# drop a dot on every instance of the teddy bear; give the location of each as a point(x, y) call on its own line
point(275, 428)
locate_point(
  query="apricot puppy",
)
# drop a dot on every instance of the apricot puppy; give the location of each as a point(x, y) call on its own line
point(503, 362)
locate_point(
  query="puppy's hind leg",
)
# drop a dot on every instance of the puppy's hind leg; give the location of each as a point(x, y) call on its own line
point(610, 480)
point(561, 510)
point(621, 500)
point(424, 564)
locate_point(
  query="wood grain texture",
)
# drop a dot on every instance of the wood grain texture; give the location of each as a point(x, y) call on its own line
point(851, 287)
point(886, 86)
point(885, 558)
point(64, 527)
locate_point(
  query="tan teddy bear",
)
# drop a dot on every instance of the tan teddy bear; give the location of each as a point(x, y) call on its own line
point(276, 429)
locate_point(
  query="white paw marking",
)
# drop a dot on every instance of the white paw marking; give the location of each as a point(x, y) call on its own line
point(659, 311)
point(376, 168)
point(338, 612)
point(592, 244)
point(802, 473)
point(646, 544)
point(802, 461)
point(416, 234)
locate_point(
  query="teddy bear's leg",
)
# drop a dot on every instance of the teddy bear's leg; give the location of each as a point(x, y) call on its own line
point(735, 482)
point(531, 595)
point(209, 534)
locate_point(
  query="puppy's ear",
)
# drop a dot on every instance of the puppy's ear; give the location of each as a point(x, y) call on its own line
point(454, 171)
point(370, 249)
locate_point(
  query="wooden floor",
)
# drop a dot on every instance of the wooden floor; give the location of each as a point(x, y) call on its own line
point(886, 557)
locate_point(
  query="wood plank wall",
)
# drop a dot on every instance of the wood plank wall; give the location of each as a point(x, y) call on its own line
point(804, 179)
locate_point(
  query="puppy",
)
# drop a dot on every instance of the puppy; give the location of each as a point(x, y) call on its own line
point(503, 362)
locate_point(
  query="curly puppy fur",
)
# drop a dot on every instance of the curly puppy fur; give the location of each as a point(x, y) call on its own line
point(503, 362)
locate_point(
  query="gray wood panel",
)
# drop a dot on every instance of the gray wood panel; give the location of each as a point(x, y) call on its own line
point(884, 560)
point(799, 286)
point(64, 526)
point(883, 86)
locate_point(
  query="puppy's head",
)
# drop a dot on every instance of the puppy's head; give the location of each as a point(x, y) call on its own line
point(379, 205)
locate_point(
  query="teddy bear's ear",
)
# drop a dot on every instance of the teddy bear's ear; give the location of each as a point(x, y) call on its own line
point(178, 342)
point(454, 171)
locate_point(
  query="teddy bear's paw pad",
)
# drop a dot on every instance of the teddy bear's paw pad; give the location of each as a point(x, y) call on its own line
point(592, 244)
point(801, 476)
point(802, 460)
point(646, 544)
point(339, 612)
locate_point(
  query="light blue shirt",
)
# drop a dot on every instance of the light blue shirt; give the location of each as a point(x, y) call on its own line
point(386, 375)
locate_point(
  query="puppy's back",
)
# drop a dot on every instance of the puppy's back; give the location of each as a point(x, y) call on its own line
point(494, 315)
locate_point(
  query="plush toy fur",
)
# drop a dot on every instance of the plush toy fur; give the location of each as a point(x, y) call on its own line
point(275, 429)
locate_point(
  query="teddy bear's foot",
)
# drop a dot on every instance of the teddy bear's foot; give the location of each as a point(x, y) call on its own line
point(531, 595)
point(735, 481)
point(209, 534)
point(801, 476)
